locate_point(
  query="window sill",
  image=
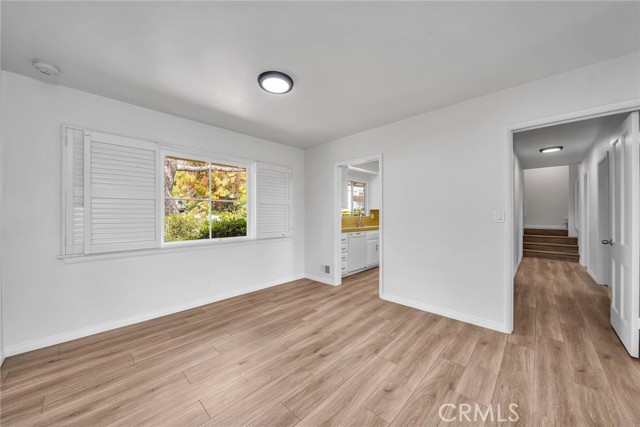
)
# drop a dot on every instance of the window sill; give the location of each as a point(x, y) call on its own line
point(174, 247)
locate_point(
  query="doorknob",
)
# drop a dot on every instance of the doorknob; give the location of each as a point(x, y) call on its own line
point(607, 242)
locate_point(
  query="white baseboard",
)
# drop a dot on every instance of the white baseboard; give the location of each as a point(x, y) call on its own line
point(594, 276)
point(1, 358)
point(325, 280)
point(463, 317)
point(547, 227)
point(515, 268)
point(12, 350)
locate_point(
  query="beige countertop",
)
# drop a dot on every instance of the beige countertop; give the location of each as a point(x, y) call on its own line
point(365, 228)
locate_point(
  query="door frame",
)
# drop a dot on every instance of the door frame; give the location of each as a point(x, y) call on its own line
point(337, 222)
point(510, 265)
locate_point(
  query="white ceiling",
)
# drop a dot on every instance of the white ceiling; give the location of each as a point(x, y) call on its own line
point(576, 138)
point(356, 65)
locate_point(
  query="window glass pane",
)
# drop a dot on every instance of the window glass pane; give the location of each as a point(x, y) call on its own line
point(204, 199)
point(187, 179)
point(188, 222)
point(357, 197)
point(228, 182)
point(228, 218)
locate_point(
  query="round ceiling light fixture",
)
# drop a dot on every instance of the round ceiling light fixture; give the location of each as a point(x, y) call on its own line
point(275, 82)
point(551, 149)
point(46, 68)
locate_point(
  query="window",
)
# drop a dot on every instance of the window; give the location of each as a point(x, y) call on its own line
point(203, 200)
point(356, 197)
point(121, 194)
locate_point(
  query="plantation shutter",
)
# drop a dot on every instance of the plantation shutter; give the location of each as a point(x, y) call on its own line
point(74, 203)
point(273, 201)
point(120, 193)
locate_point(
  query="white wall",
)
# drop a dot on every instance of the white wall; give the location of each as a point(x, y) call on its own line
point(442, 250)
point(573, 177)
point(45, 300)
point(375, 192)
point(546, 197)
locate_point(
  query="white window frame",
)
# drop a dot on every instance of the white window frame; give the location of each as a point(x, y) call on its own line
point(167, 151)
point(350, 195)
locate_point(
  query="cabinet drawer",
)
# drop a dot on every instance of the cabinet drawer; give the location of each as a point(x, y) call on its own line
point(371, 235)
point(345, 238)
point(345, 249)
point(345, 267)
point(344, 257)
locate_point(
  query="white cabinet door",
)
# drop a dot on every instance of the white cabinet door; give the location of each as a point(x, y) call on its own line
point(357, 251)
point(372, 252)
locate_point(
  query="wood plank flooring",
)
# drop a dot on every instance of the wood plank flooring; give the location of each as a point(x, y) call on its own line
point(309, 354)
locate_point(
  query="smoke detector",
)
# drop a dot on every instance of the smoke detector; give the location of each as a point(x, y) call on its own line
point(46, 68)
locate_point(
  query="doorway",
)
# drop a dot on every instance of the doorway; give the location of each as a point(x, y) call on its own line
point(359, 218)
point(606, 149)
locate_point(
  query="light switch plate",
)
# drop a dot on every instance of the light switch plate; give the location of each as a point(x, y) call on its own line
point(498, 216)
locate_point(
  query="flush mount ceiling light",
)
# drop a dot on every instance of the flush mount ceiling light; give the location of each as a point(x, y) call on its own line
point(275, 82)
point(551, 149)
point(46, 68)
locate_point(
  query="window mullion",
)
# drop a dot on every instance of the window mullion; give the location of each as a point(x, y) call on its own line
point(209, 216)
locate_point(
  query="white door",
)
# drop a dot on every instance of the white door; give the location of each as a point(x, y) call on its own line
point(625, 222)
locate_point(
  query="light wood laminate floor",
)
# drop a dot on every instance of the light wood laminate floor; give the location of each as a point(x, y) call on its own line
point(309, 354)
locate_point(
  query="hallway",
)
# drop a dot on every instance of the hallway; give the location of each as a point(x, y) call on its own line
point(582, 375)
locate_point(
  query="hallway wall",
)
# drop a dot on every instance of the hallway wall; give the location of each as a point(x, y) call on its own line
point(573, 177)
point(546, 197)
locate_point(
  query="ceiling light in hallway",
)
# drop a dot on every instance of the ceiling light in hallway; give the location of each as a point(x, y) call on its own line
point(551, 149)
point(275, 82)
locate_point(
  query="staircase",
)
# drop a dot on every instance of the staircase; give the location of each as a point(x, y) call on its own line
point(551, 244)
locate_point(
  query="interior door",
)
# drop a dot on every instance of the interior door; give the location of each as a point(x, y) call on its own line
point(625, 222)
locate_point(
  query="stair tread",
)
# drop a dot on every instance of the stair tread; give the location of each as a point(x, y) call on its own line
point(549, 236)
point(550, 252)
point(547, 231)
point(551, 244)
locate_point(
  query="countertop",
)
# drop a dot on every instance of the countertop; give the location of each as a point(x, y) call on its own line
point(365, 228)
